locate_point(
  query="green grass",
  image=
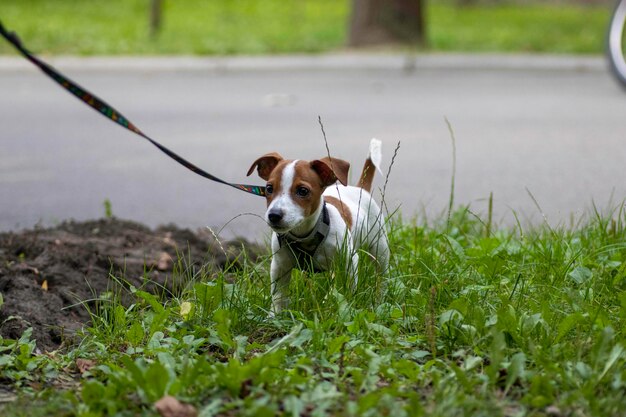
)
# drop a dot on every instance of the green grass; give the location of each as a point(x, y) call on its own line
point(473, 320)
point(507, 28)
point(189, 27)
point(287, 26)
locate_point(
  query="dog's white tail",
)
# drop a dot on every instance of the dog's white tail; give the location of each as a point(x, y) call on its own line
point(372, 164)
point(376, 154)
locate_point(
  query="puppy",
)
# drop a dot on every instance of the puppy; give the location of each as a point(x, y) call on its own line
point(315, 216)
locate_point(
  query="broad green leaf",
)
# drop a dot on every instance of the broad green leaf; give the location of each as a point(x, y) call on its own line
point(453, 316)
point(380, 329)
point(208, 296)
point(583, 370)
point(157, 380)
point(567, 324)
point(136, 372)
point(212, 409)
point(615, 354)
point(515, 370)
point(158, 320)
point(294, 406)
point(222, 325)
point(303, 337)
point(456, 248)
point(581, 274)
point(418, 354)
point(155, 340)
point(92, 391)
point(135, 333)
point(151, 300)
point(295, 330)
point(6, 360)
point(496, 354)
point(472, 362)
point(119, 317)
point(461, 377)
point(334, 346)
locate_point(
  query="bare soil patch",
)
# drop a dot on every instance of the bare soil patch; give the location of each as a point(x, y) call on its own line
point(46, 273)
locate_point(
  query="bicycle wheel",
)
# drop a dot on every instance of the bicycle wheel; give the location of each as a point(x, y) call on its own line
point(616, 42)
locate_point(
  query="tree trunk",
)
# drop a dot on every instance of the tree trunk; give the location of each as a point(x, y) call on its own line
point(156, 11)
point(387, 21)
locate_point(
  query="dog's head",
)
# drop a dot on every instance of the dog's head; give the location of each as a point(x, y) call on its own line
point(294, 187)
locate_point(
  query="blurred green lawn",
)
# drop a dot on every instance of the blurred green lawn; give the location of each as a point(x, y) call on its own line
point(200, 27)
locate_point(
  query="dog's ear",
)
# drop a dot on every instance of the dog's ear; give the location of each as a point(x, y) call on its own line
point(265, 165)
point(331, 170)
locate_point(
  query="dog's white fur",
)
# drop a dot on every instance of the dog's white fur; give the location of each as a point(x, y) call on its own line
point(299, 220)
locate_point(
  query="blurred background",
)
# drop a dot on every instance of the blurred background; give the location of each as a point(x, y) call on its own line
point(219, 27)
point(537, 118)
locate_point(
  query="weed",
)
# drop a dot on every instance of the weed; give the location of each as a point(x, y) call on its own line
point(108, 209)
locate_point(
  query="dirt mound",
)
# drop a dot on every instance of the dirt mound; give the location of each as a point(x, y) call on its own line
point(46, 273)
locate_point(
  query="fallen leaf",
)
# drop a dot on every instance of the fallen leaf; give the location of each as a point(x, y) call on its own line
point(35, 385)
point(169, 406)
point(44, 285)
point(84, 365)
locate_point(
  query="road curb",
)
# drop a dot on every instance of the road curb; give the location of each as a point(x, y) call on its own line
point(333, 62)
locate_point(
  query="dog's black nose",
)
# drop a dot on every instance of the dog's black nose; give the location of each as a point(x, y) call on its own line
point(275, 216)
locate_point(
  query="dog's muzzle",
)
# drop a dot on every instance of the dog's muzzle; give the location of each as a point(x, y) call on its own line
point(275, 217)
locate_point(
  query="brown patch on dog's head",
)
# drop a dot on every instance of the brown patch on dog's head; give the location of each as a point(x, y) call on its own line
point(265, 164)
point(274, 186)
point(307, 178)
point(331, 170)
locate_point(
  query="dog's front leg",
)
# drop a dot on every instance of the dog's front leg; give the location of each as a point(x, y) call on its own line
point(280, 274)
point(280, 286)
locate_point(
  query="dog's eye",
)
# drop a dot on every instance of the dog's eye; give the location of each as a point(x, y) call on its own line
point(302, 191)
point(269, 189)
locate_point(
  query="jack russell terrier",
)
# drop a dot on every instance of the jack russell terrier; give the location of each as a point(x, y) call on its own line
point(314, 218)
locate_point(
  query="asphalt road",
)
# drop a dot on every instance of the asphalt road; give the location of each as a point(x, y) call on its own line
point(553, 126)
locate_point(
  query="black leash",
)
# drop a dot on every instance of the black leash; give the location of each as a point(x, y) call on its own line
point(111, 113)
